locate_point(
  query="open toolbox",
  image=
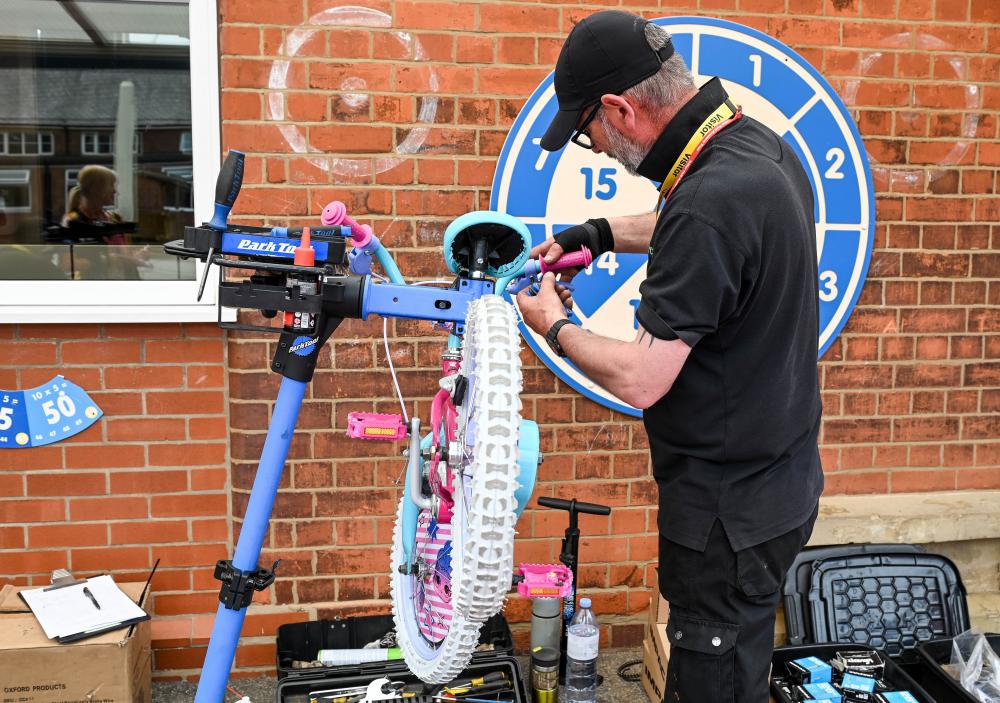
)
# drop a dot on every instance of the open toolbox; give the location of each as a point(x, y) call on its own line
point(301, 642)
point(306, 689)
point(894, 678)
point(890, 597)
point(934, 656)
point(797, 583)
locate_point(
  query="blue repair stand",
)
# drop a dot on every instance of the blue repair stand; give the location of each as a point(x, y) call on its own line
point(229, 623)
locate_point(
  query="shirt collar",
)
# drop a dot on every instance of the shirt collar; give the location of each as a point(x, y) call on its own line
point(667, 148)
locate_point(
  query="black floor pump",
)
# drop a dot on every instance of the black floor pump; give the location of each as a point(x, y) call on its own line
point(570, 556)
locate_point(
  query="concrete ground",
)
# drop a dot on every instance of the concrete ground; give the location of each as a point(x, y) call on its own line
point(262, 690)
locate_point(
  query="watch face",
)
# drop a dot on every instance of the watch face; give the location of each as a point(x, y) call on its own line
point(550, 191)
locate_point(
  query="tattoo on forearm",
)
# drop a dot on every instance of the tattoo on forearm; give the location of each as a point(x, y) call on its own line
point(643, 334)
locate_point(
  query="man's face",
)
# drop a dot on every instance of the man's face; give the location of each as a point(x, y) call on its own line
point(605, 137)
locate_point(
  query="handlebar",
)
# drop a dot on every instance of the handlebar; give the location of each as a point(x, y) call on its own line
point(574, 505)
point(576, 259)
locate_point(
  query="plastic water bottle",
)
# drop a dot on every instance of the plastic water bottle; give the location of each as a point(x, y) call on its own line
point(581, 655)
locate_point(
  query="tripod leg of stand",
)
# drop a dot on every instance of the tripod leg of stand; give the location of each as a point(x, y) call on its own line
point(228, 623)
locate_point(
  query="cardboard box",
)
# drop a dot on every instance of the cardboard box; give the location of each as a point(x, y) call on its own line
point(656, 639)
point(656, 650)
point(115, 667)
point(659, 609)
point(653, 677)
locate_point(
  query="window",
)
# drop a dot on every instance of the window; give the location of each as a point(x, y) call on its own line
point(95, 143)
point(15, 190)
point(26, 143)
point(179, 196)
point(134, 57)
point(104, 143)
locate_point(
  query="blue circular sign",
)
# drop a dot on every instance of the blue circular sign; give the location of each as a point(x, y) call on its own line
point(550, 191)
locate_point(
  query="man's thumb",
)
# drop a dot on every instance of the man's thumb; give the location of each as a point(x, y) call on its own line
point(552, 255)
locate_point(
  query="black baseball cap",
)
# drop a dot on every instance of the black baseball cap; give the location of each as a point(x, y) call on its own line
point(606, 52)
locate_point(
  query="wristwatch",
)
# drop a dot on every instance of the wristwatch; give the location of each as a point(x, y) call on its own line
point(553, 333)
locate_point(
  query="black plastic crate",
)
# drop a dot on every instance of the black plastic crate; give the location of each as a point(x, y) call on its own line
point(296, 689)
point(798, 623)
point(302, 640)
point(938, 682)
point(887, 601)
point(894, 674)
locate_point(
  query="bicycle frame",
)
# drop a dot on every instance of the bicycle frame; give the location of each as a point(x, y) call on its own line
point(299, 273)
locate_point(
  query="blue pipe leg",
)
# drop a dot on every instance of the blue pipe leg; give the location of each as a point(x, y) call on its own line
point(228, 623)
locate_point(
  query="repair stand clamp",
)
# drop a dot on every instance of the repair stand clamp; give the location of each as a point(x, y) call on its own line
point(238, 586)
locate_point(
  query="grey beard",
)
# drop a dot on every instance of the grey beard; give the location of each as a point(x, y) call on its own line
point(628, 153)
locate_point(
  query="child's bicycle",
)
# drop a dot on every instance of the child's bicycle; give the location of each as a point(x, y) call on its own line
point(468, 478)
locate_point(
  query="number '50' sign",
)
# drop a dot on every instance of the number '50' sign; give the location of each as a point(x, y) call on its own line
point(552, 191)
point(45, 414)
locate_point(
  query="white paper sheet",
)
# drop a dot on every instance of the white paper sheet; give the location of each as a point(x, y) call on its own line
point(68, 611)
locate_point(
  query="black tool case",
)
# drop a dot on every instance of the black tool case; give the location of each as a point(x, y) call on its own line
point(894, 675)
point(799, 579)
point(888, 601)
point(890, 597)
point(938, 682)
point(301, 641)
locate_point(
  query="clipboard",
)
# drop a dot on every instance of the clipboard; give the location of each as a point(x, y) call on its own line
point(61, 612)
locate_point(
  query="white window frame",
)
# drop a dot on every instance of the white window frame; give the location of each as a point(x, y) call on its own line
point(146, 301)
point(96, 137)
point(5, 144)
point(27, 184)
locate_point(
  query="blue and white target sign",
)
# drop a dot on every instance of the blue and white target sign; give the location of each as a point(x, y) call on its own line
point(553, 191)
point(45, 414)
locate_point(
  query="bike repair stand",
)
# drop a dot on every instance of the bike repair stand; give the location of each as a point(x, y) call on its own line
point(304, 334)
point(242, 576)
point(570, 556)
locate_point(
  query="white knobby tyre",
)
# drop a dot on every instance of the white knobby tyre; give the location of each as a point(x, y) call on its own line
point(484, 514)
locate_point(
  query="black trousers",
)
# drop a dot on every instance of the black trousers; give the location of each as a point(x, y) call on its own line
point(722, 609)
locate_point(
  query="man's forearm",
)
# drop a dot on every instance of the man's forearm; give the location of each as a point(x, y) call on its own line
point(604, 360)
point(632, 233)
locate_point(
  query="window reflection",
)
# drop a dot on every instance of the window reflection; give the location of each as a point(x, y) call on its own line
point(95, 139)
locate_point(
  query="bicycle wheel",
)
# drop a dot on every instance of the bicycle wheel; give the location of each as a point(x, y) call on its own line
point(464, 570)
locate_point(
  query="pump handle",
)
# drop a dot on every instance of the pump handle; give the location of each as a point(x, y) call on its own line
point(580, 507)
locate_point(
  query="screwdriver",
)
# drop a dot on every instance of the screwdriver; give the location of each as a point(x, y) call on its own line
point(466, 685)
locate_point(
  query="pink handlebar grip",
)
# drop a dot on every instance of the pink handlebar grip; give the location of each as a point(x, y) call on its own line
point(335, 213)
point(576, 259)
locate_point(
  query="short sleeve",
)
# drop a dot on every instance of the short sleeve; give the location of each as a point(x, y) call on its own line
point(692, 280)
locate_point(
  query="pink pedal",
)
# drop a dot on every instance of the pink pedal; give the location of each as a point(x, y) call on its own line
point(545, 581)
point(382, 426)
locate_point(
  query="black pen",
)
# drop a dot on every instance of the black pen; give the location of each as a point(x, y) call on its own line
point(86, 592)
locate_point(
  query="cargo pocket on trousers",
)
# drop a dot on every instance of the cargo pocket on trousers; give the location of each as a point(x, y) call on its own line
point(702, 659)
point(761, 569)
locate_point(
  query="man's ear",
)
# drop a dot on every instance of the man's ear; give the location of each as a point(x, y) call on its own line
point(620, 113)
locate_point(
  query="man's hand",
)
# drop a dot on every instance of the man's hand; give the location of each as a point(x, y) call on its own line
point(545, 308)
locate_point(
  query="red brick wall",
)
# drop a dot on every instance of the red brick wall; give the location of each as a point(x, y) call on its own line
point(148, 481)
point(911, 388)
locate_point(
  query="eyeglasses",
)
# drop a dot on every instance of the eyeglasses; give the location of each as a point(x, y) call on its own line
point(581, 137)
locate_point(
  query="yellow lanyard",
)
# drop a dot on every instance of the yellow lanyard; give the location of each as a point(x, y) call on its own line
point(718, 117)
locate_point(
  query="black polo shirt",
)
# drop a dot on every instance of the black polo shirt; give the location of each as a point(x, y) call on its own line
point(733, 273)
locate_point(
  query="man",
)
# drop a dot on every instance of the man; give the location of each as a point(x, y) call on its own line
point(724, 361)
